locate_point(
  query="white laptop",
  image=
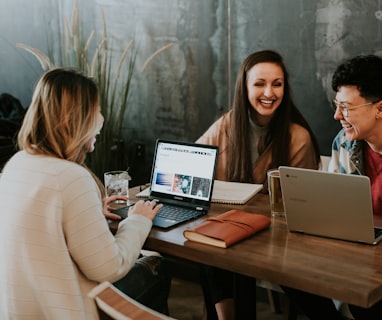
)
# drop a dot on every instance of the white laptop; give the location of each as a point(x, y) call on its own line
point(327, 204)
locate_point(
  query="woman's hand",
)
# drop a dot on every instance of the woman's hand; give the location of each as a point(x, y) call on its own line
point(147, 208)
point(108, 209)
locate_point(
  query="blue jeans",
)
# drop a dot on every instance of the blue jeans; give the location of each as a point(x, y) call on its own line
point(148, 282)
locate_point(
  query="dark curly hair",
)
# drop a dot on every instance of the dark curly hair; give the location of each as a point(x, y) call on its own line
point(364, 72)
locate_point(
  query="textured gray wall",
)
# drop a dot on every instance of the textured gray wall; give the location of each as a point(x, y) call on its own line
point(190, 84)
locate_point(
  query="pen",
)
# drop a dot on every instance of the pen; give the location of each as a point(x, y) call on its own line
point(144, 186)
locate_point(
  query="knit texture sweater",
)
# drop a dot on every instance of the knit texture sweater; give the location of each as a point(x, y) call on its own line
point(302, 152)
point(55, 243)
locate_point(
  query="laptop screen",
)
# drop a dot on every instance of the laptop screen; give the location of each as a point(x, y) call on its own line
point(183, 172)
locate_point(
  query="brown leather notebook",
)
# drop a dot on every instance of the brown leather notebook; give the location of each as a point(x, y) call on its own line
point(227, 228)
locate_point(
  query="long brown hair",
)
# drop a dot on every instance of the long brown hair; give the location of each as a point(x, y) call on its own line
point(62, 117)
point(239, 159)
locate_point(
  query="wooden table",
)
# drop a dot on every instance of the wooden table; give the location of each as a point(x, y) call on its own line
point(346, 271)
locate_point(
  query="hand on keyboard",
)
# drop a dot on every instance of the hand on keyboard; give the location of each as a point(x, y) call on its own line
point(147, 208)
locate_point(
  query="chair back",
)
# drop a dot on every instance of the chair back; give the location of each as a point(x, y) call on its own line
point(113, 304)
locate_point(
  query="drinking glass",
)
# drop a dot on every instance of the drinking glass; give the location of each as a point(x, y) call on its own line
point(275, 194)
point(117, 183)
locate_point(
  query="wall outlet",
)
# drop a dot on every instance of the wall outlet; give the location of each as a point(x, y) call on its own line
point(140, 151)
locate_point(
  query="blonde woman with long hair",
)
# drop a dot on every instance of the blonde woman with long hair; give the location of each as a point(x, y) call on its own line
point(55, 243)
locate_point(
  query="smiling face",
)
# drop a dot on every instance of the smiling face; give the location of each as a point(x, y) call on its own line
point(361, 123)
point(265, 88)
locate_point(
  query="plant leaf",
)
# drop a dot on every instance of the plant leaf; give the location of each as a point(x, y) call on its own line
point(155, 54)
point(40, 56)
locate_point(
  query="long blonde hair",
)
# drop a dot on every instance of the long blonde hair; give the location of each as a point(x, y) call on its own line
point(62, 117)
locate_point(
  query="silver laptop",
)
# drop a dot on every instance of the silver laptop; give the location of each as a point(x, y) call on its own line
point(327, 204)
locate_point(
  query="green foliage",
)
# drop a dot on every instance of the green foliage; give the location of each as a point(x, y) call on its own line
point(112, 74)
point(113, 81)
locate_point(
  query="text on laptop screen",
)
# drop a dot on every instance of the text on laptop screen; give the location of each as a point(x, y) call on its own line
point(183, 169)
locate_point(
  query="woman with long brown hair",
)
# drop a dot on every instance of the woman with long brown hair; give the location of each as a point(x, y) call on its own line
point(263, 130)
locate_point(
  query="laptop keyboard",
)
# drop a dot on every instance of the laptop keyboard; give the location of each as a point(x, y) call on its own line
point(177, 213)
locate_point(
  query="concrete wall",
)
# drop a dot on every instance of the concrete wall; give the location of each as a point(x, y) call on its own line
point(189, 85)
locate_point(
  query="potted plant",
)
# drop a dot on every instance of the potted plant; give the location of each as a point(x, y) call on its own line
point(93, 56)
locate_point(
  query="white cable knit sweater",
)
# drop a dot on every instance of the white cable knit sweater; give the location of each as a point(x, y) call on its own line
point(55, 244)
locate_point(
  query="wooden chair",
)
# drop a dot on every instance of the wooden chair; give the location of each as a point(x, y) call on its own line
point(113, 304)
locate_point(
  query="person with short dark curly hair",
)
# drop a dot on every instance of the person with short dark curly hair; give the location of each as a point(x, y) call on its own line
point(357, 149)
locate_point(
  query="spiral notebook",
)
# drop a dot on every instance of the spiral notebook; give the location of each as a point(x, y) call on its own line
point(225, 192)
point(234, 192)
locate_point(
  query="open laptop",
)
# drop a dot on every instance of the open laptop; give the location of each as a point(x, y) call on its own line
point(327, 204)
point(182, 179)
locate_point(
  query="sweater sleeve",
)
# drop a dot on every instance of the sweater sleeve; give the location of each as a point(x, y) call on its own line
point(210, 136)
point(98, 254)
point(302, 149)
point(216, 134)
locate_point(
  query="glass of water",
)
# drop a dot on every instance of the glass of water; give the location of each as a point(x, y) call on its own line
point(117, 183)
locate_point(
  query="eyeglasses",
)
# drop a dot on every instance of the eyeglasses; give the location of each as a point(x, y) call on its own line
point(345, 108)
